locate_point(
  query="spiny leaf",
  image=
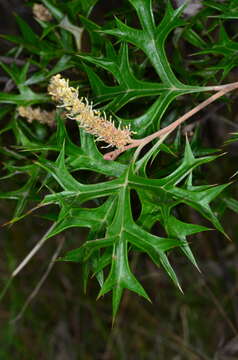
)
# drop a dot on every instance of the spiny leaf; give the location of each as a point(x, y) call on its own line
point(120, 276)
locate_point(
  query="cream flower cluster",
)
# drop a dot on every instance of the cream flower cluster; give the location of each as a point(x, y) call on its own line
point(92, 121)
point(43, 116)
point(41, 13)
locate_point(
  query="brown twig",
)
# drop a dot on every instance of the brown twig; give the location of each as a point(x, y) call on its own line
point(42, 280)
point(212, 114)
point(221, 90)
point(32, 252)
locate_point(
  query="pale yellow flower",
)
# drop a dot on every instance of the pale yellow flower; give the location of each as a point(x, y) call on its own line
point(43, 116)
point(91, 120)
point(41, 12)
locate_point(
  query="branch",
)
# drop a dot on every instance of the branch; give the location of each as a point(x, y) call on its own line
point(42, 280)
point(222, 90)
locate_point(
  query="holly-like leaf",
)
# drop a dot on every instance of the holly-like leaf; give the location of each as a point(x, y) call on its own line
point(104, 207)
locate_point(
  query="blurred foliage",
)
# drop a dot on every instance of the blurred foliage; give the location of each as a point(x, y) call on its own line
point(140, 65)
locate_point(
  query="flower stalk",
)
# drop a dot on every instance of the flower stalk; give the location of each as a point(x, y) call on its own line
point(221, 90)
point(94, 122)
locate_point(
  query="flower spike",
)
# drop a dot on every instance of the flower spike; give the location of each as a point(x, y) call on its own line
point(91, 120)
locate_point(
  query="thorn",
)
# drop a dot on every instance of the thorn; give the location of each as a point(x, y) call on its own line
point(99, 296)
point(228, 237)
point(113, 321)
point(224, 153)
point(180, 288)
point(197, 267)
point(234, 175)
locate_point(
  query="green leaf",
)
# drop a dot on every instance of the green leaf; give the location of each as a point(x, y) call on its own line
point(54, 10)
point(28, 97)
point(75, 30)
point(120, 276)
point(120, 78)
point(27, 32)
point(24, 194)
point(85, 251)
point(180, 230)
point(81, 6)
point(231, 203)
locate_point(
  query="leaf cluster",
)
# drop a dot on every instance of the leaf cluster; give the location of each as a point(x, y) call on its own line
point(118, 66)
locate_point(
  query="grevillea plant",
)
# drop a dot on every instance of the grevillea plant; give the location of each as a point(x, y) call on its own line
point(132, 190)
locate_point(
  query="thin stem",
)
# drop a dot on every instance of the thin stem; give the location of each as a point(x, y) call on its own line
point(32, 252)
point(223, 89)
point(41, 282)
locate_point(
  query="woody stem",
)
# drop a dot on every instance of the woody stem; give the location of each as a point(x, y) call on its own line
point(223, 89)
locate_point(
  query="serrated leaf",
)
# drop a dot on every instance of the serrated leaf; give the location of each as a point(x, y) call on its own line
point(120, 276)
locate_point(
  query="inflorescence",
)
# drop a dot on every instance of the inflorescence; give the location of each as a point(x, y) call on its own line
point(91, 120)
point(42, 116)
point(41, 12)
